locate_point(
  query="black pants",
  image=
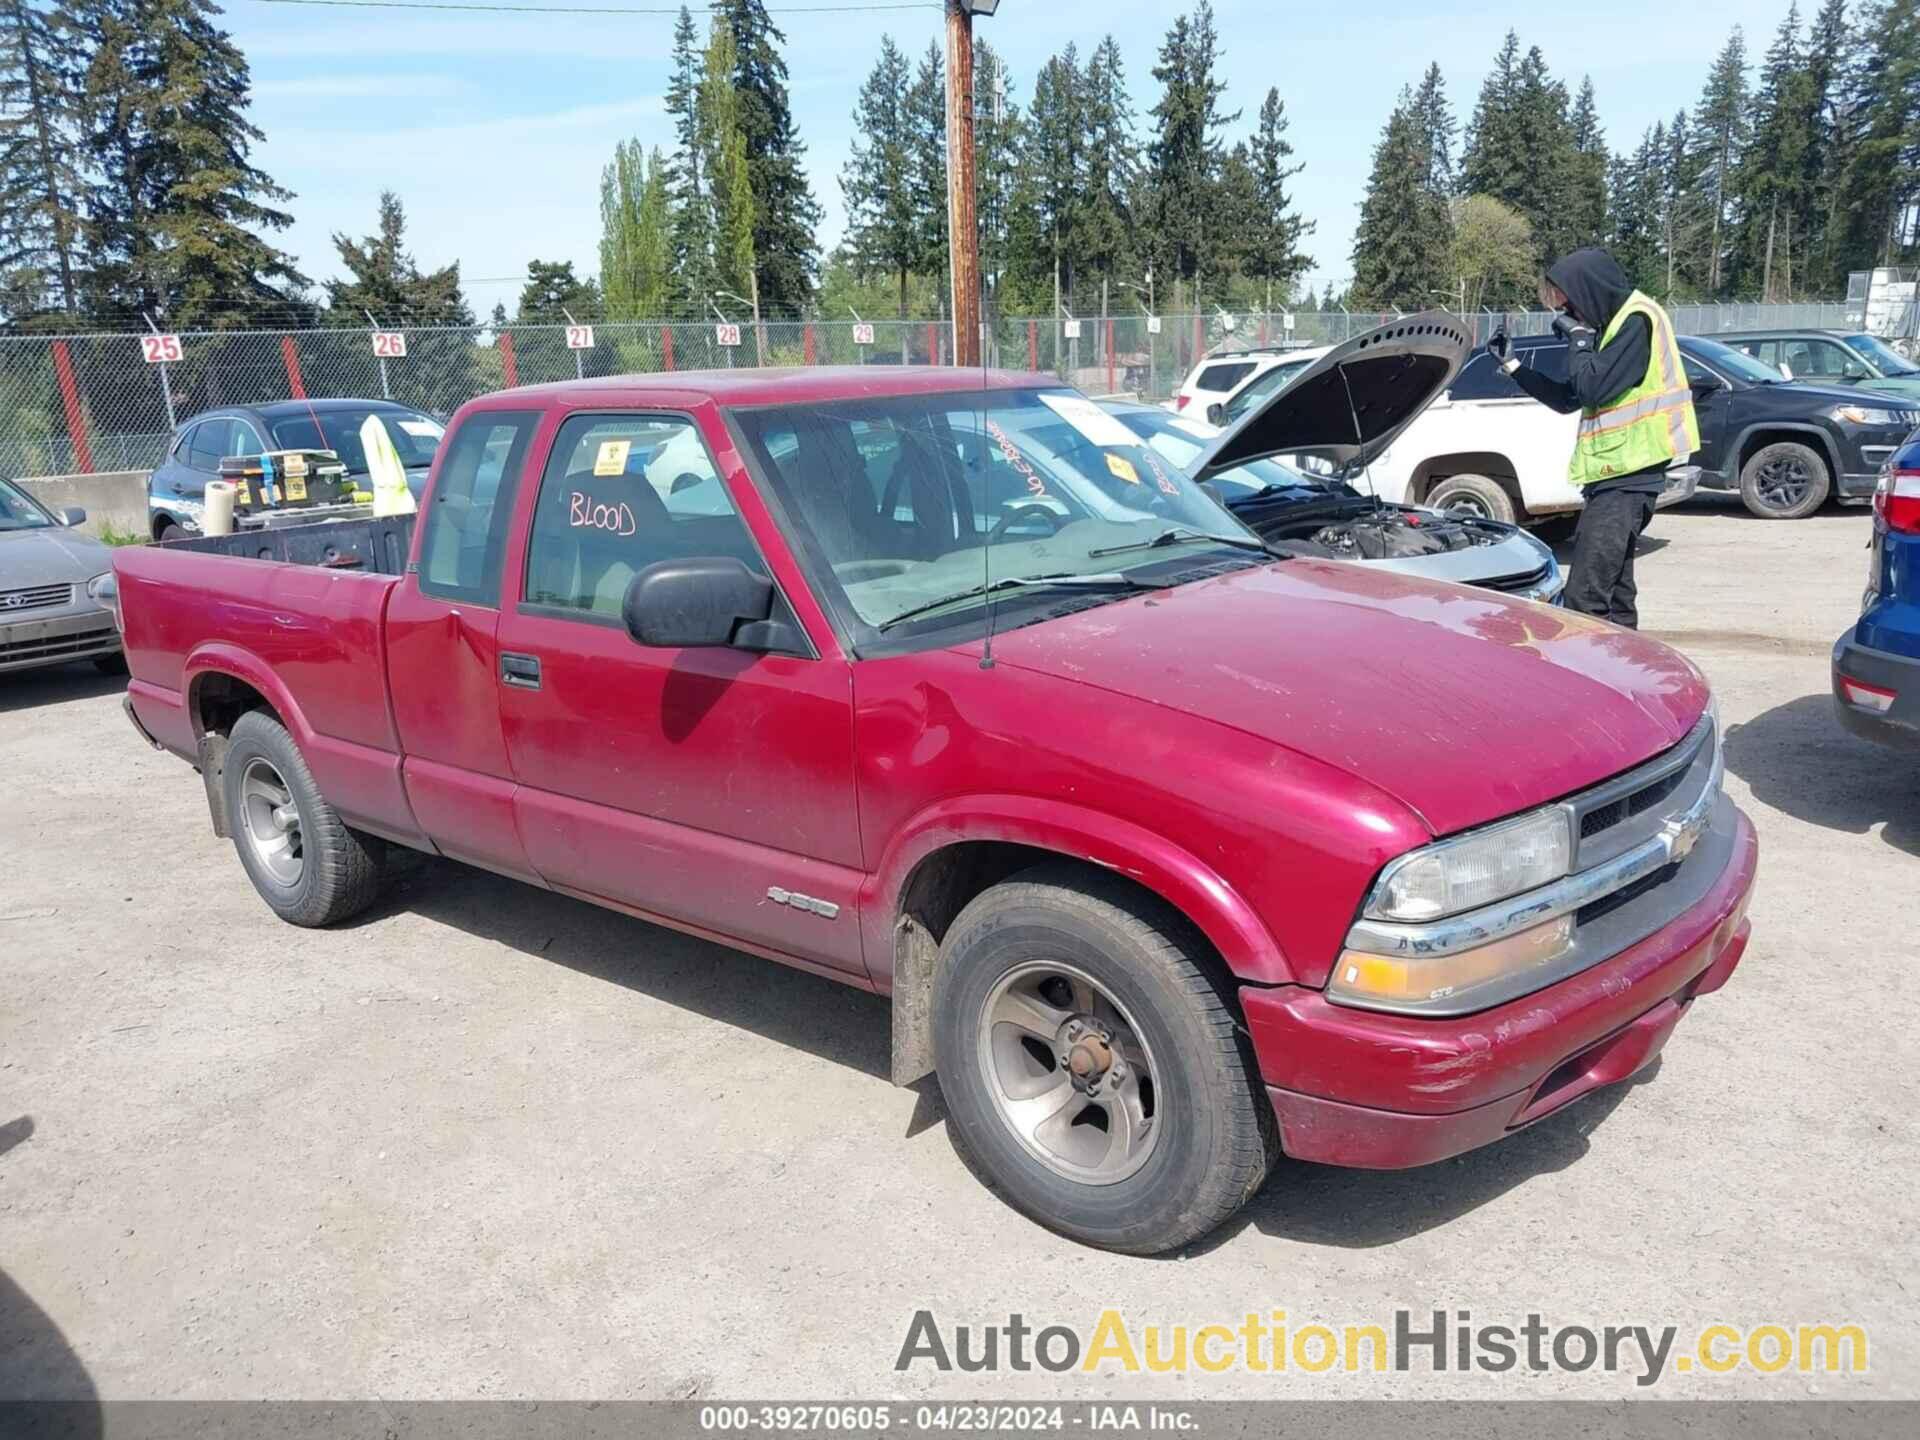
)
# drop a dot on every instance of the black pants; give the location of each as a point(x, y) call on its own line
point(1602, 580)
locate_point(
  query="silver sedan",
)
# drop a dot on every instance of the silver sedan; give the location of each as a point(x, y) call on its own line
point(49, 613)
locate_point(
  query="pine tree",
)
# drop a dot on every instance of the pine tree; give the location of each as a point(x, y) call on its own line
point(1721, 123)
point(1107, 228)
point(785, 213)
point(926, 114)
point(1881, 187)
point(1438, 127)
point(1186, 151)
point(176, 219)
point(1520, 149)
point(724, 155)
point(1056, 165)
point(384, 280)
point(1273, 253)
point(1587, 167)
point(878, 179)
point(1490, 160)
point(1400, 248)
point(997, 143)
point(1828, 44)
point(693, 277)
point(42, 118)
point(1773, 196)
point(553, 292)
point(1634, 196)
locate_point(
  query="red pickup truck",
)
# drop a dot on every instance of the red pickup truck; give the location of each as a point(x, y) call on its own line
point(1173, 855)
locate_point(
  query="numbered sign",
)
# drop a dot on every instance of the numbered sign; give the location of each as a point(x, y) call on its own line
point(863, 334)
point(1153, 324)
point(579, 337)
point(1229, 324)
point(728, 335)
point(389, 345)
point(1073, 330)
point(161, 349)
point(1286, 321)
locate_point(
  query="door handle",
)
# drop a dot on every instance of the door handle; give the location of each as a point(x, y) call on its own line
point(520, 671)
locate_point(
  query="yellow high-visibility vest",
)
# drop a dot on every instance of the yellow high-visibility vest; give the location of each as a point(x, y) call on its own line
point(1653, 423)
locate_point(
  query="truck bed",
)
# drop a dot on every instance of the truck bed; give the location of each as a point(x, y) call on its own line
point(295, 613)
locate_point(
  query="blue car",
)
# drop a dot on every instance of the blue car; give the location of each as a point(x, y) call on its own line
point(177, 490)
point(1876, 664)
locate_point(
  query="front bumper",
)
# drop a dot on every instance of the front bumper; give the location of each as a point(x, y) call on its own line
point(1898, 725)
point(71, 633)
point(1682, 482)
point(1386, 1092)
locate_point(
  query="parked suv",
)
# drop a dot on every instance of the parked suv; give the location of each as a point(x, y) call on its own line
point(1220, 379)
point(1487, 448)
point(1831, 357)
point(177, 490)
point(1785, 446)
point(1876, 664)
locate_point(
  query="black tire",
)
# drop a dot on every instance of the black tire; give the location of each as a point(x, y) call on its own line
point(1475, 495)
point(1214, 1138)
point(339, 870)
point(170, 531)
point(114, 664)
point(1785, 481)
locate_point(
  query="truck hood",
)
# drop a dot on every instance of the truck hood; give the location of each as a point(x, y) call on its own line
point(49, 557)
point(1350, 403)
point(1463, 705)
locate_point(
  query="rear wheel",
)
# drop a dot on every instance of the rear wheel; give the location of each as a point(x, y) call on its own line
point(170, 531)
point(1473, 495)
point(1785, 481)
point(1092, 1064)
point(307, 865)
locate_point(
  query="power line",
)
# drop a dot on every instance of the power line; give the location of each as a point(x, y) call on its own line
point(804, 9)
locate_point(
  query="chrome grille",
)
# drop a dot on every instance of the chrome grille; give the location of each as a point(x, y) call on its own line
point(1621, 813)
point(37, 597)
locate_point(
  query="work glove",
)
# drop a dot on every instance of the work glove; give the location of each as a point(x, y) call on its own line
point(1579, 336)
point(1498, 345)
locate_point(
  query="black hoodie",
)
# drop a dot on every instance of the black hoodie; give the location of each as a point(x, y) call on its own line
point(1596, 287)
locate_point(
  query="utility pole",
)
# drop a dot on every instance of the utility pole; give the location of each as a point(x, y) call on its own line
point(963, 231)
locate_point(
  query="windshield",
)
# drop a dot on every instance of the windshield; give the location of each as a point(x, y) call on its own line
point(1268, 384)
point(1184, 441)
point(18, 511)
point(893, 498)
point(1729, 361)
point(415, 436)
point(1882, 356)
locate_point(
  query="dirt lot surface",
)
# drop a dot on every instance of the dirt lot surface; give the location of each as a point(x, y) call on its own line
point(489, 1142)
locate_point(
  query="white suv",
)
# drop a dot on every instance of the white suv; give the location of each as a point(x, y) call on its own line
point(1222, 379)
point(1488, 448)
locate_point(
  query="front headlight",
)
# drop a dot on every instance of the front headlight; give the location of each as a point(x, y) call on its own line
point(1865, 415)
point(1474, 870)
point(104, 591)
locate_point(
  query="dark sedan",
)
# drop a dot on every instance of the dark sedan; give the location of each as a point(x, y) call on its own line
point(177, 490)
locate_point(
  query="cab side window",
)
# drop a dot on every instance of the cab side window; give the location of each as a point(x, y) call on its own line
point(208, 446)
point(620, 493)
point(1218, 379)
point(1483, 380)
point(466, 525)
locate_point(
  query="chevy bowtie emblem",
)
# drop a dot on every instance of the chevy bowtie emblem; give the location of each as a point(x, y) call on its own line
point(1682, 836)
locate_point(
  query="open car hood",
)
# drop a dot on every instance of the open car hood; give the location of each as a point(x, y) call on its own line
point(1350, 404)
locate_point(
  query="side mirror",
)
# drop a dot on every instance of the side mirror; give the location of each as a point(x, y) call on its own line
point(73, 516)
point(684, 604)
point(1705, 386)
point(1216, 414)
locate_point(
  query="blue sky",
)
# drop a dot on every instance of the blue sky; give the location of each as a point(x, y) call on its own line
point(493, 128)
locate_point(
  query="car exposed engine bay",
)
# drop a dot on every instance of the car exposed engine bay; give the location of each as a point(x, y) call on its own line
point(1346, 528)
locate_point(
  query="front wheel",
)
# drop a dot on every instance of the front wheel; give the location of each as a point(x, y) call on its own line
point(1784, 481)
point(307, 865)
point(1092, 1064)
point(1473, 495)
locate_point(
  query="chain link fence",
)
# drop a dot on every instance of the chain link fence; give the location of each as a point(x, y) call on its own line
point(79, 404)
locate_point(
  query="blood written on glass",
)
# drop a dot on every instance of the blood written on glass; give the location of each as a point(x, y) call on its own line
point(586, 513)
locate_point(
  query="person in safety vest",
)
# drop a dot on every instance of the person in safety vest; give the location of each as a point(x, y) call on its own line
point(1636, 418)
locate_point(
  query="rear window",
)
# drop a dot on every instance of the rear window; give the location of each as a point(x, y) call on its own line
point(1218, 379)
point(415, 436)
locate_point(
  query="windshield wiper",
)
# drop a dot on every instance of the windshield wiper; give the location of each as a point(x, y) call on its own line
point(1111, 580)
point(1181, 537)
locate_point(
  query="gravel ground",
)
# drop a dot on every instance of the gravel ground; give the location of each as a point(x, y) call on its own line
point(489, 1142)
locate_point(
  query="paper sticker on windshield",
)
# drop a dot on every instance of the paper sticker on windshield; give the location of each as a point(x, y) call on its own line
point(1124, 469)
point(294, 465)
point(612, 459)
point(422, 429)
point(1089, 419)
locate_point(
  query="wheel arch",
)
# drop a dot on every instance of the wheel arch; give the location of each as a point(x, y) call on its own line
point(1760, 433)
point(1490, 464)
point(952, 854)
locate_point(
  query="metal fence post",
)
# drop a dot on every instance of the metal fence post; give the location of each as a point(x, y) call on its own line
point(296, 384)
point(76, 416)
point(509, 361)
